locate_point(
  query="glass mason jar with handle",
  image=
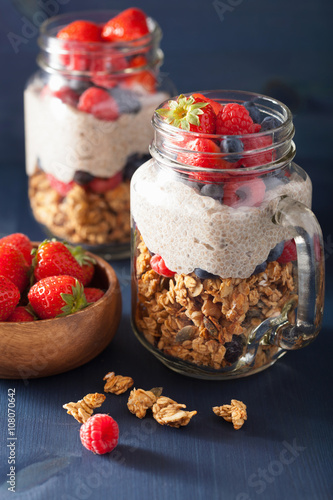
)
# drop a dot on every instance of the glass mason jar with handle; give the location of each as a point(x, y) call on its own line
point(227, 257)
point(88, 127)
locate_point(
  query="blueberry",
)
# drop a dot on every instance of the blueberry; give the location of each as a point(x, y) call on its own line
point(133, 163)
point(82, 178)
point(260, 268)
point(204, 275)
point(234, 349)
point(253, 111)
point(275, 253)
point(126, 100)
point(233, 145)
point(269, 123)
point(189, 183)
point(215, 191)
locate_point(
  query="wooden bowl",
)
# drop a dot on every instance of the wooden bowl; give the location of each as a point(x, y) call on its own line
point(47, 347)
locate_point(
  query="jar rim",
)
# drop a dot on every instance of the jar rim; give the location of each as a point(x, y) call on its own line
point(169, 140)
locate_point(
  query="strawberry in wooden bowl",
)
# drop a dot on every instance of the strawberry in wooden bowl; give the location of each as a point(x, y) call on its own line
point(59, 307)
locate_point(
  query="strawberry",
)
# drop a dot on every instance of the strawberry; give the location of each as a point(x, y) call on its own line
point(57, 296)
point(86, 261)
point(108, 65)
point(138, 61)
point(249, 193)
point(21, 242)
point(65, 94)
point(62, 188)
point(81, 31)
point(144, 80)
point(93, 294)
point(9, 297)
point(20, 315)
point(215, 105)
point(52, 258)
point(190, 114)
point(289, 253)
point(130, 24)
point(158, 265)
point(101, 184)
point(206, 154)
point(14, 266)
point(99, 103)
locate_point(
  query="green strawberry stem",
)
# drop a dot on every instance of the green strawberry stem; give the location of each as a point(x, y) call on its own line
point(74, 301)
point(80, 255)
point(183, 112)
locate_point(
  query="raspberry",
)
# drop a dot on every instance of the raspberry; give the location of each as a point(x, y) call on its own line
point(62, 188)
point(234, 119)
point(99, 433)
point(248, 193)
point(158, 265)
point(102, 185)
point(289, 252)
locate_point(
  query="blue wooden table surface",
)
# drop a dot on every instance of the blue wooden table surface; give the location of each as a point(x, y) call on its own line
point(284, 450)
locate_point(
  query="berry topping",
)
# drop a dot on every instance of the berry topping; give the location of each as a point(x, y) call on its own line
point(99, 433)
point(93, 294)
point(289, 253)
point(260, 268)
point(65, 94)
point(191, 114)
point(269, 123)
point(253, 111)
point(206, 155)
point(126, 100)
point(102, 185)
point(21, 242)
point(275, 253)
point(204, 275)
point(234, 349)
point(142, 81)
point(158, 265)
point(215, 105)
point(20, 315)
point(9, 297)
point(13, 266)
point(99, 103)
point(233, 119)
point(130, 24)
point(215, 191)
point(232, 145)
point(248, 193)
point(82, 178)
point(257, 158)
point(62, 188)
point(53, 258)
point(57, 296)
point(81, 31)
point(133, 163)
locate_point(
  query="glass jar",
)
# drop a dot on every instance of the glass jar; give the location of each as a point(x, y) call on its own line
point(81, 155)
point(227, 263)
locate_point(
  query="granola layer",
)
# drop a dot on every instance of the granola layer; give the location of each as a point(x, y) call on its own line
point(81, 216)
point(208, 321)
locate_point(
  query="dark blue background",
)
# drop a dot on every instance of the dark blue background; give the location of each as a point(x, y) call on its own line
point(283, 49)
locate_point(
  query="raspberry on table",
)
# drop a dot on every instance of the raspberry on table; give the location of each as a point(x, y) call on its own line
point(234, 119)
point(99, 433)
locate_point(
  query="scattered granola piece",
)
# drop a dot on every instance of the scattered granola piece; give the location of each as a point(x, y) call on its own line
point(169, 412)
point(84, 408)
point(235, 413)
point(140, 401)
point(117, 384)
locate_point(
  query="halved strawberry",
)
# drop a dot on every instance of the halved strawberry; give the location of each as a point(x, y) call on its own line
point(158, 265)
point(130, 24)
point(190, 113)
point(99, 103)
point(62, 188)
point(246, 193)
point(101, 184)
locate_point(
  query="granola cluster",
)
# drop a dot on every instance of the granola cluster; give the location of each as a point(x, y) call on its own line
point(81, 216)
point(140, 401)
point(208, 321)
point(84, 408)
point(117, 384)
point(235, 413)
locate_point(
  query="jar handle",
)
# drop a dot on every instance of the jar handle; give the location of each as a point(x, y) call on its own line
point(310, 275)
